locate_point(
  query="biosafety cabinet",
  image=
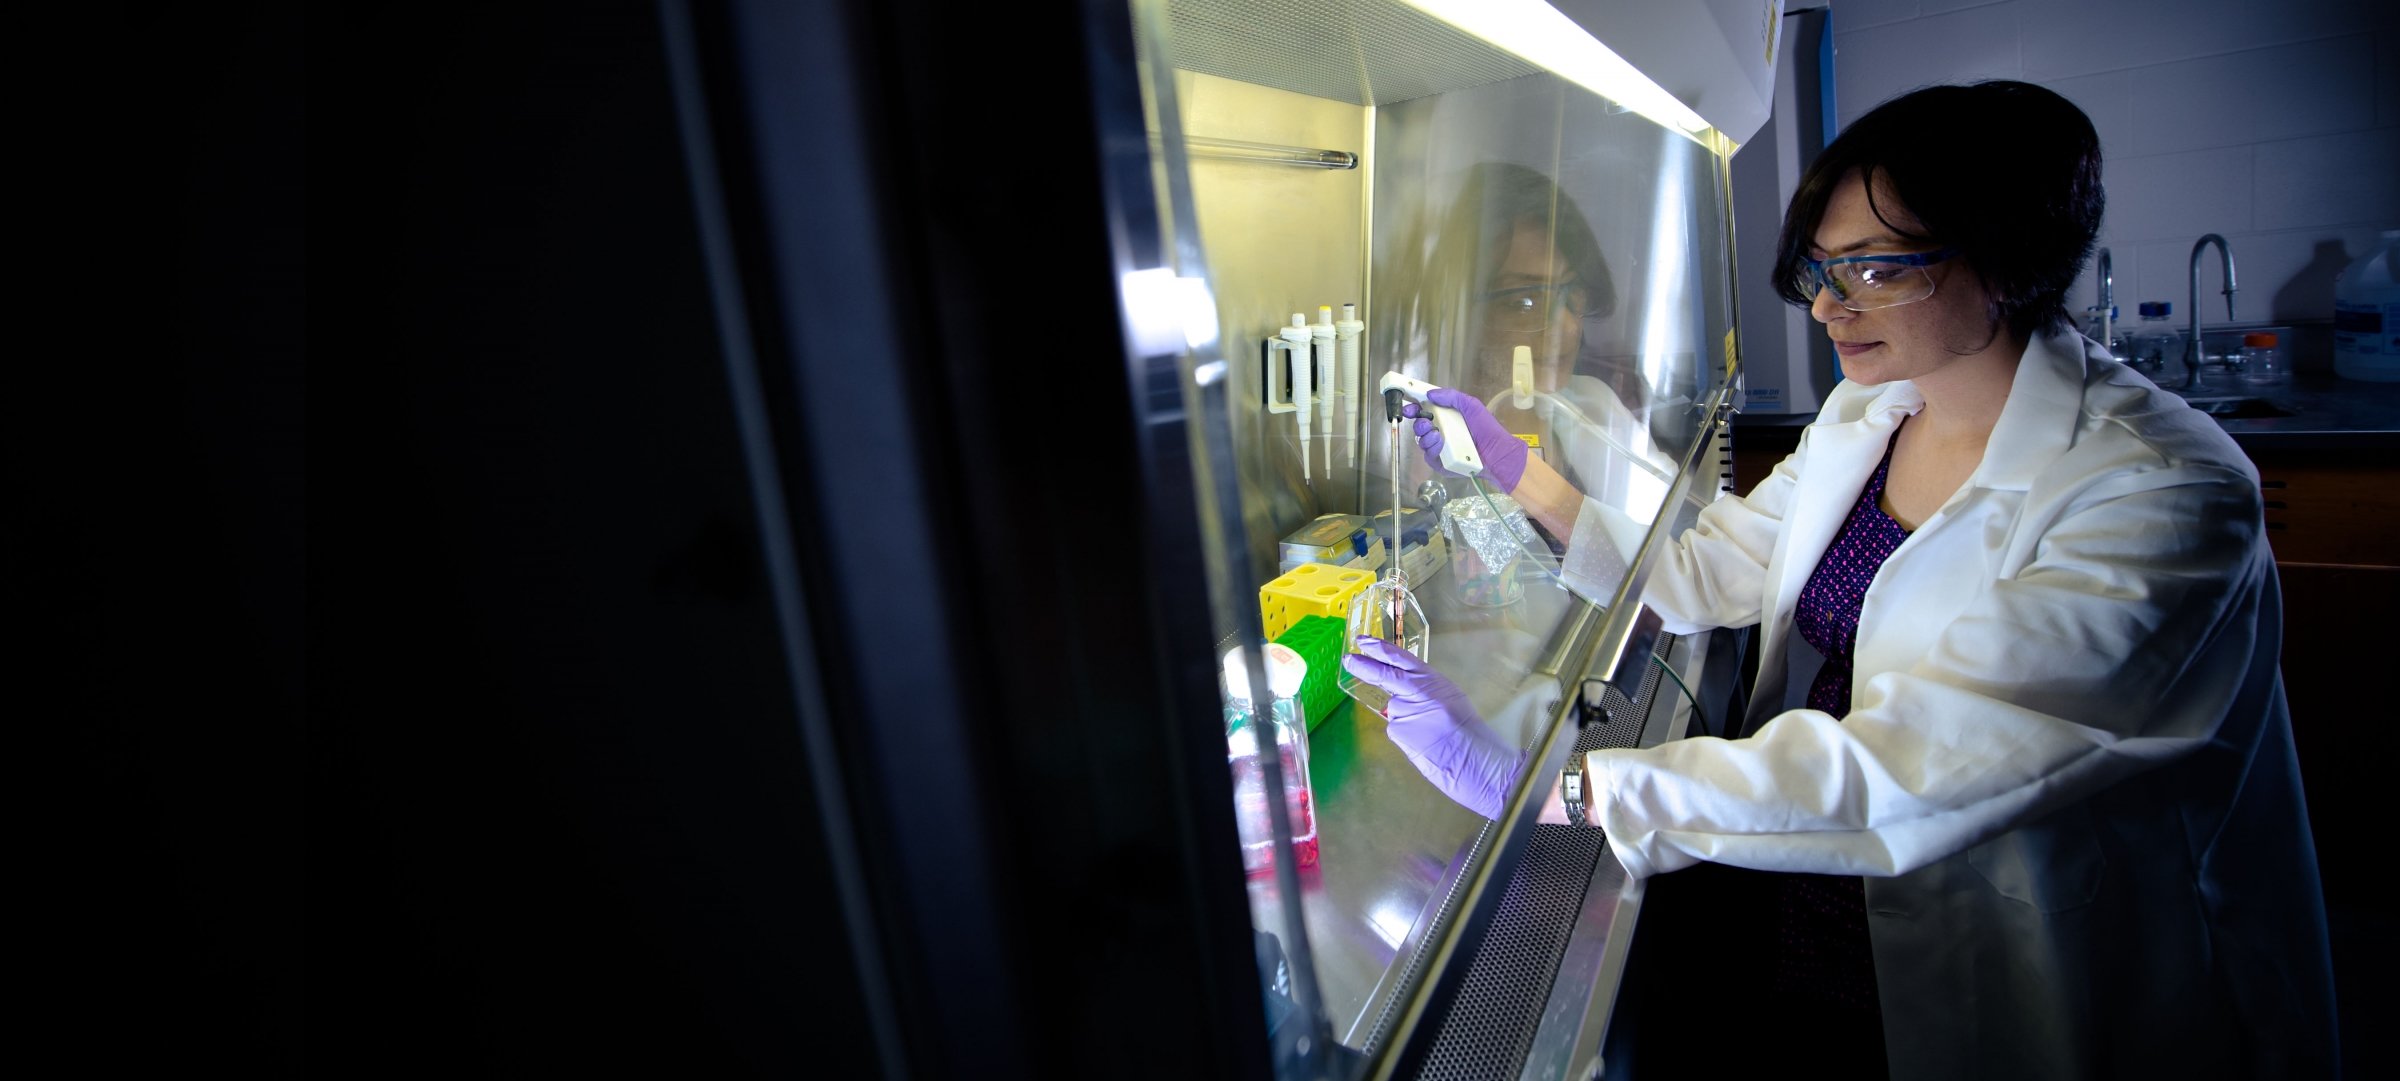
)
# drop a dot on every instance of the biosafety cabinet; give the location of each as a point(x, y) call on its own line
point(1060, 337)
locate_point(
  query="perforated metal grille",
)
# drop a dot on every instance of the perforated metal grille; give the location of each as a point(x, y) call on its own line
point(1491, 1023)
point(1365, 52)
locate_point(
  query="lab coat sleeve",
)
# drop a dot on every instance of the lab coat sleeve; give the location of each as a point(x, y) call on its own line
point(2115, 646)
point(1715, 575)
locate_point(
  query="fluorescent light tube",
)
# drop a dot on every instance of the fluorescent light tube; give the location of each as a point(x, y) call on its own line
point(1543, 35)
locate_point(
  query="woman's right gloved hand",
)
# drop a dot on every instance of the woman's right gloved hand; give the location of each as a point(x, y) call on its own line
point(1437, 728)
point(1503, 454)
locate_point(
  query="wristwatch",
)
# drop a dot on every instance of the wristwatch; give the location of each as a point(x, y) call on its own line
point(1573, 789)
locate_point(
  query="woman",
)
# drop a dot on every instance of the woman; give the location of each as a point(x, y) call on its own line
point(2020, 630)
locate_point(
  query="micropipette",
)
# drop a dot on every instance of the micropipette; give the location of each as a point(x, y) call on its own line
point(1347, 343)
point(1296, 340)
point(1320, 334)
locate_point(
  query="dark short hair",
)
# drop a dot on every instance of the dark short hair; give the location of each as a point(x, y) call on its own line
point(2006, 172)
point(1497, 197)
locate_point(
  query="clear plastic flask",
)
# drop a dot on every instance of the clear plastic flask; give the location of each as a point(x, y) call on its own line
point(1244, 728)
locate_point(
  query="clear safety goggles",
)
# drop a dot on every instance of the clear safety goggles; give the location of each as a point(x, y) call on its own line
point(1534, 307)
point(1864, 283)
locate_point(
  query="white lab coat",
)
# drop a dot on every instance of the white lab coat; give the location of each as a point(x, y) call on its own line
point(2067, 770)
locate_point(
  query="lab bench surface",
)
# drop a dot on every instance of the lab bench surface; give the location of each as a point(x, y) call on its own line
point(2325, 413)
point(2316, 414)
point(1392, 852)
point(2315, 410)
point(1391, 847)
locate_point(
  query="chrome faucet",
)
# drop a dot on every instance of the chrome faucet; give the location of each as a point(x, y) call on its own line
point(2192, 353)
point(2106, 278)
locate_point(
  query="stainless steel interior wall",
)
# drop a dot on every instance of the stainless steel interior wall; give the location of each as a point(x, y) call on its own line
point(1280, 239)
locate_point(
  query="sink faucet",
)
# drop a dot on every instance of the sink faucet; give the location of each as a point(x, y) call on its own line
point(2192, 353)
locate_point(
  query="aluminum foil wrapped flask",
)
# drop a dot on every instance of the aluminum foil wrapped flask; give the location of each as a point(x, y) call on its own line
point(1487, 534)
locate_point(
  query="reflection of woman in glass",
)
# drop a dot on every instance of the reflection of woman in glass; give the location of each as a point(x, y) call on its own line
point(1514, 264)
point(1516, 267)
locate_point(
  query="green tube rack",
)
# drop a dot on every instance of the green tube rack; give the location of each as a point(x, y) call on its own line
point(1318, 640)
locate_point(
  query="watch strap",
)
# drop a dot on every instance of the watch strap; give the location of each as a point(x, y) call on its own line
point(1575, 789)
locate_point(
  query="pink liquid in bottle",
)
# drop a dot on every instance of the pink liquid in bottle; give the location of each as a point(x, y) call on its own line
point(1281, 723)
point(1250, 811)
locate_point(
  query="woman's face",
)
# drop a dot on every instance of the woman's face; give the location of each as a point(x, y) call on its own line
point(1533, 300)
point(1906, 341)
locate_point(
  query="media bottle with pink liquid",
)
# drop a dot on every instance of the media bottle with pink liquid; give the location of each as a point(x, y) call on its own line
point(1251, 792)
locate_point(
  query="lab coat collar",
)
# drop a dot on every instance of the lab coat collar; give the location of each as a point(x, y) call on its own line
point(1897, 397)
point(2038, 423)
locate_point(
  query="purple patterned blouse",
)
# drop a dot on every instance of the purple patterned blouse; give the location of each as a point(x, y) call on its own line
point(1828, 611)
point(1822, 957)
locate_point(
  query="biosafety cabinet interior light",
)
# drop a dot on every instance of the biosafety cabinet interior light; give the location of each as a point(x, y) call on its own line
point(1543, 35)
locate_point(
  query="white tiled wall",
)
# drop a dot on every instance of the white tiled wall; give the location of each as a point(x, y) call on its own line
point(2273, 122)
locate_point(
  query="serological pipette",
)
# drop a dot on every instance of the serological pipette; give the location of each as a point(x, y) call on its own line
point(1393, 399)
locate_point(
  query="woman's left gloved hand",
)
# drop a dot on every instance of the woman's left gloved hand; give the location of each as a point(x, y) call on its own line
point(1438, 728)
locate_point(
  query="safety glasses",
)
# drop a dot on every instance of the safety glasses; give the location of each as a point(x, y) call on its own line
point(1533, 307)
point(1864, 283)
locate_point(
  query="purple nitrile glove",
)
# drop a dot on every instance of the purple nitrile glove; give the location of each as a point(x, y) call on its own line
point(1438, 729)
point(1503, 454)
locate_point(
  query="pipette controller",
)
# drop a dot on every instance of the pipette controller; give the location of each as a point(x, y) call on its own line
point(1458, 446)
